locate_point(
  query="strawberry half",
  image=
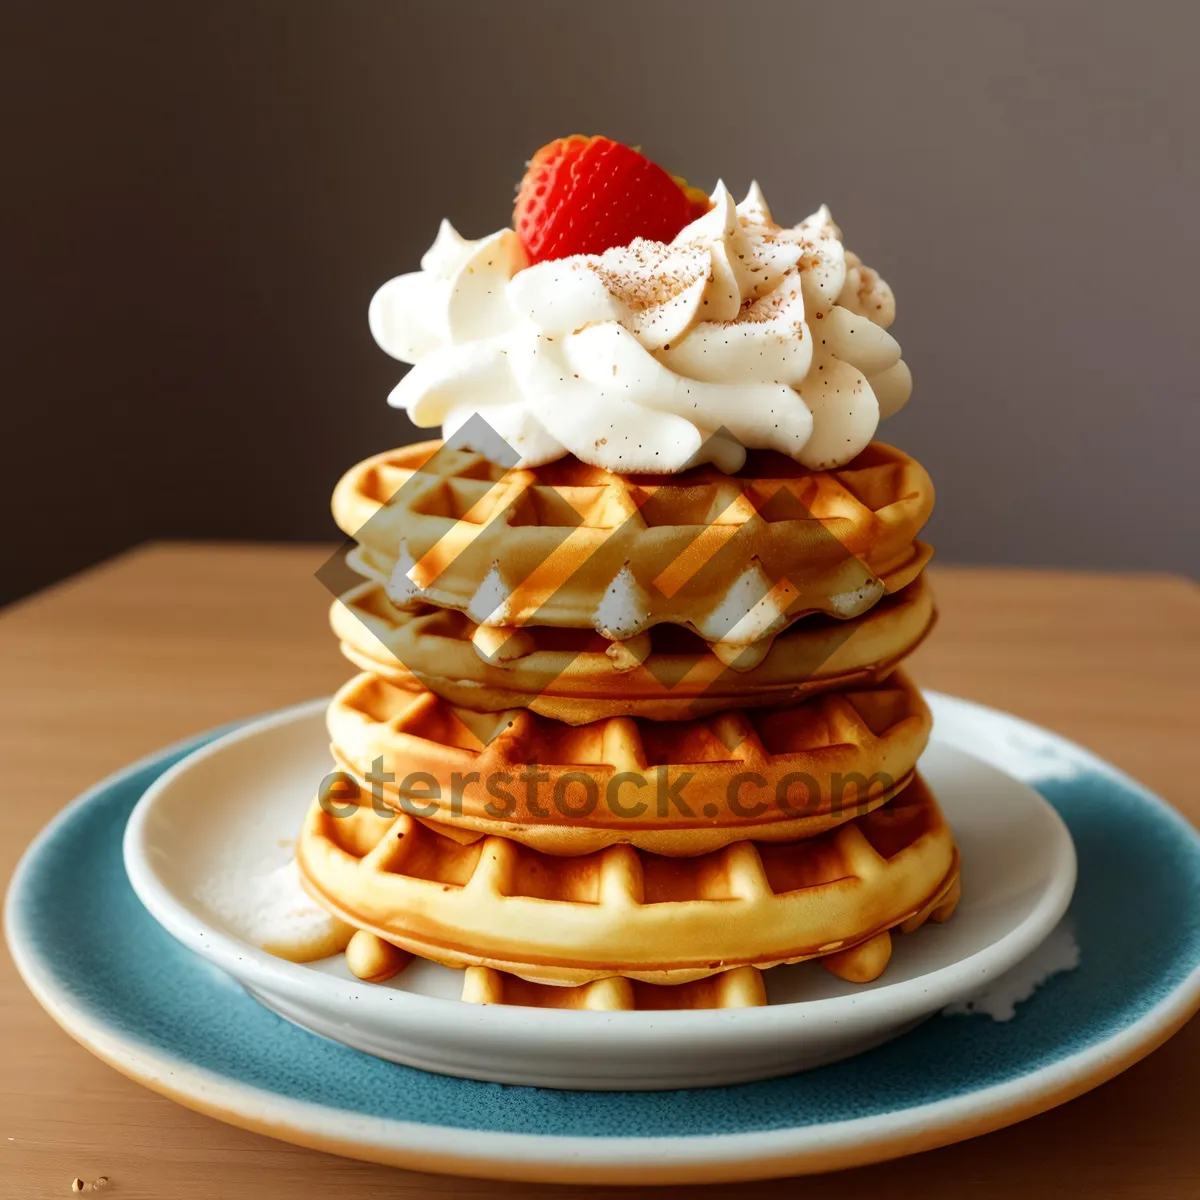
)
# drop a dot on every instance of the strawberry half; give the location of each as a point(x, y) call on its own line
point(584, 195)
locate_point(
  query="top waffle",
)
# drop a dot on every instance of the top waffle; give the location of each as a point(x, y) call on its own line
point(733, 556)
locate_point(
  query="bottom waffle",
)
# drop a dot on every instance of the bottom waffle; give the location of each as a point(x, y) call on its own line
point(376, 961)
point(742, 987)
point(620, 911)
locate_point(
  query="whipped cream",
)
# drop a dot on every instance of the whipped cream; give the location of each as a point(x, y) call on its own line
point(652, 357)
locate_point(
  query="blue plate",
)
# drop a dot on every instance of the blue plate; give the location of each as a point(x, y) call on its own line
point(129, 992)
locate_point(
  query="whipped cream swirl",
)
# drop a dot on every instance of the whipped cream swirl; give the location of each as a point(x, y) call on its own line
point(653, 356)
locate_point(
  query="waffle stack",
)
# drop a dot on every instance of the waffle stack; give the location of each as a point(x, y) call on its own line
point(626, 741)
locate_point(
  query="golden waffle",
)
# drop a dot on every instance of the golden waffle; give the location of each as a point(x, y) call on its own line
point(672, 787)
point(495, 903)
point(733, 556)
point(665, 674)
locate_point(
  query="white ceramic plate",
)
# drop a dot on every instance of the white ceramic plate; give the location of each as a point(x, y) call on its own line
point(250, 789)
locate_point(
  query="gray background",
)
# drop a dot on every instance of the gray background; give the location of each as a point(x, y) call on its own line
point(204, 196)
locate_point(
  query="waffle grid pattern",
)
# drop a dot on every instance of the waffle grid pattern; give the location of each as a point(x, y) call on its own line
point(433, 523)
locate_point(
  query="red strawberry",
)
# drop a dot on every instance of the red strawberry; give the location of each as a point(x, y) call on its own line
point(584, 195)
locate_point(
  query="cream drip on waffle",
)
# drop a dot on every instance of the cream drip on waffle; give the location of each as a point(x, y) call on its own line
point(635, 359)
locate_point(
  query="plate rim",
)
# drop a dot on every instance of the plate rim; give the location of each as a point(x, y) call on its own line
point(730, 1157)
point(258, 969)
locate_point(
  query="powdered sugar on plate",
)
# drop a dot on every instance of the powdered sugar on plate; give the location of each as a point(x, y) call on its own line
point(1058, 953)
point(263, 902)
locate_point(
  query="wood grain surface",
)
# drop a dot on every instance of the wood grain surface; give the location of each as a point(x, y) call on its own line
point(171, 639)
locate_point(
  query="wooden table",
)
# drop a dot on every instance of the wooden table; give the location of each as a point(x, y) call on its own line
point(171, 639)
